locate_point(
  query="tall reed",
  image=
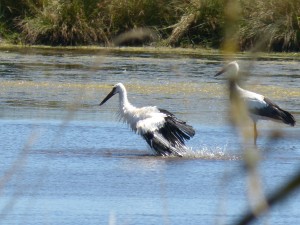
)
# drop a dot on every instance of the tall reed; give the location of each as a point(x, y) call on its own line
point(63, 23)
point(268, 25)
point(273, 24)
point(209, 28)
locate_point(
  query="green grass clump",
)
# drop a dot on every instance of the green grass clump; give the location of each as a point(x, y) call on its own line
point(273, 25)
point(124, 15)
point(87, 22)
point(209, 27)
point(63, 23)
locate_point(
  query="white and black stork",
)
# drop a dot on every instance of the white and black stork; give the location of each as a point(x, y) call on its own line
point(164, 133)
point(259, 107)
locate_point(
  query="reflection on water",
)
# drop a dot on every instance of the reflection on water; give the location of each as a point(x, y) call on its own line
point(84, 166)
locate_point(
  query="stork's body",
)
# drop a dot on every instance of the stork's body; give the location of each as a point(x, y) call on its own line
point(161, 129)
point(259, 107)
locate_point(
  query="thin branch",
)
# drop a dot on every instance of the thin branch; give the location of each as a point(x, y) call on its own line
point(278, 196)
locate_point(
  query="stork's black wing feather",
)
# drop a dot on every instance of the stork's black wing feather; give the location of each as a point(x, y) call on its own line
point(275, 112)
point(170, 138)
point(161, 146)
point(175, 130)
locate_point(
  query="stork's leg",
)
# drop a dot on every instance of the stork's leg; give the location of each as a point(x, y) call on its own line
point(255, 133)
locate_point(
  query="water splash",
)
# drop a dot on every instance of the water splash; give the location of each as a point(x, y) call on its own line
point(211, 153)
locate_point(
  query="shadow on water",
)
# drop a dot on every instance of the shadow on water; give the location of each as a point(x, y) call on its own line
point(204, 154)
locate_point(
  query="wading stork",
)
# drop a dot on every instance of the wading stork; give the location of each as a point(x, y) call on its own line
point(259, 107)
point(164, 133)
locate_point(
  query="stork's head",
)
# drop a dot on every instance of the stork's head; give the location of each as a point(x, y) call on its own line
point(232, 68)
point(117, 88)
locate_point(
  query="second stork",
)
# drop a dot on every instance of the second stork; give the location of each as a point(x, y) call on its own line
point(259, 106)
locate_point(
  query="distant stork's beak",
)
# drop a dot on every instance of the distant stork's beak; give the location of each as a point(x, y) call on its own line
point(112, 93)
point(221, 71)
point(232, 65)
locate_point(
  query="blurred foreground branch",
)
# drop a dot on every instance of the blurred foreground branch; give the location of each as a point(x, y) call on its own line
point(137, 36)
point(14, 170)
point(278, 196)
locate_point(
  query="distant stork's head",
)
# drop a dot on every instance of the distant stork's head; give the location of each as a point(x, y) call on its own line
point(117, 88)
point(232, 68)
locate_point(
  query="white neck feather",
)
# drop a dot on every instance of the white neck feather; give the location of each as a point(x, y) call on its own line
point(123, 100)
point(125, 107)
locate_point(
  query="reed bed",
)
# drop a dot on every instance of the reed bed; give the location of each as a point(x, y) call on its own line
point(268, 25)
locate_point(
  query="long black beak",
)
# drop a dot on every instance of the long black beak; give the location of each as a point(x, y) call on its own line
point(112, 93)
point(233, 64)
point(221, 71)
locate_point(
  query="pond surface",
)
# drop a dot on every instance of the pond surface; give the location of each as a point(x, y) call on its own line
point(65, 160)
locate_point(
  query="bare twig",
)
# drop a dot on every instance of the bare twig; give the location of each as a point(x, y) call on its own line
point(278, 196)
